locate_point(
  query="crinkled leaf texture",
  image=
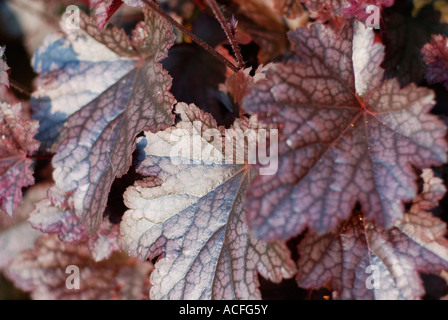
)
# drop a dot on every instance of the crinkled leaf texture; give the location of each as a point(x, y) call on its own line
point(16, 142)
point(346, 136)
point(43, 272)
point(435, 55)
point(415, 244)
point(110, 89)
point(192, 215)
point(56, 214)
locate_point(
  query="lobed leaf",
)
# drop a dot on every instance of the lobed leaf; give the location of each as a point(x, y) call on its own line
point(106, 89)
point(191, 213)
point(346, 136)
point(415, 244)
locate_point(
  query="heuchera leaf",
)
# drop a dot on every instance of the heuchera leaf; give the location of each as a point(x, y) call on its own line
point(192, 215)
point(415, 244)
point(3, 69)
point(16, 142)
point(37, 271)
point(115, 89)
point(56, 214)
point(435, 55)
point(16, 233)
point(346, 136)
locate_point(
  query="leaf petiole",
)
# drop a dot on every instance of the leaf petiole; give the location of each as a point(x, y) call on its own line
point(196, 39)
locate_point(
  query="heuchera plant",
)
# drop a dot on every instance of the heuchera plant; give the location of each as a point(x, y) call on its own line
point(218, 149)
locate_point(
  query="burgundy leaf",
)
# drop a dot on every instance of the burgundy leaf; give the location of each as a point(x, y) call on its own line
point(43, 272)
point(435, 55)
point(415, 244)
point(16, 142)
point(110, 89)
point(192, 215)
point(346, 136)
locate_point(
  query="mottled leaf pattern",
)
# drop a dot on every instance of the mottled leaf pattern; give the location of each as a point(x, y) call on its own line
point(415, 244)
point(42, 271)
point(116, 89)
point(346, 137)
point(124, 168)
point(435, 55)
point(16, 142)
point(192, 215)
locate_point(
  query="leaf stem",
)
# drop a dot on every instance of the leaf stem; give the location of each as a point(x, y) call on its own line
point(20, 88)
point(190, 34)
point(227, 30)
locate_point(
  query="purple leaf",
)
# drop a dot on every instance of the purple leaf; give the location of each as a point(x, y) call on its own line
point(115, 88)
point(346, 137)
point(415, 244)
